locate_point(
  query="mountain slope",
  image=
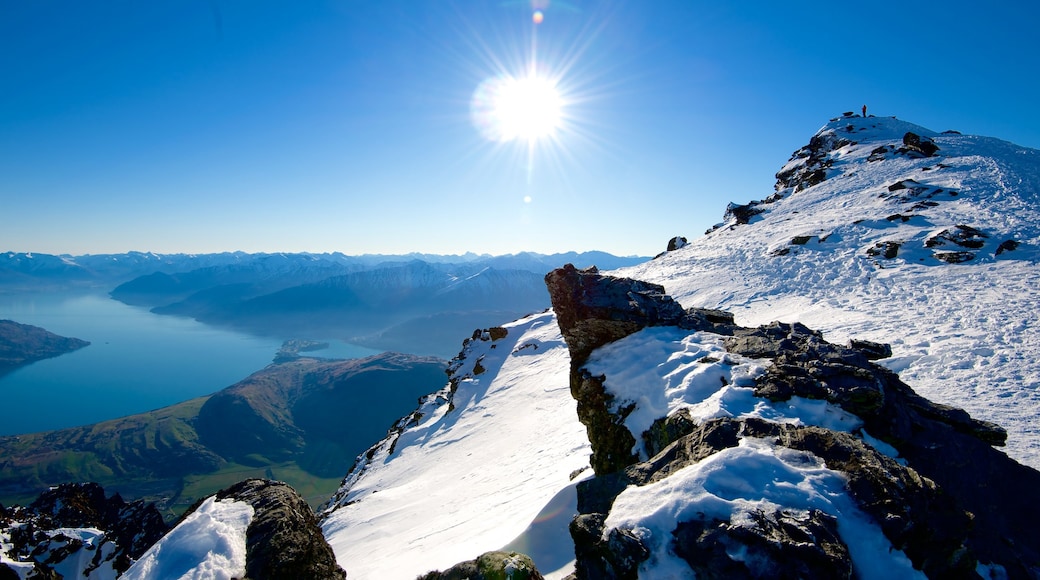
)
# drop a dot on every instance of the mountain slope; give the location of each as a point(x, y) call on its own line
point(962, 334)
point(472, 468)
point(302, 421)
point(822, 250)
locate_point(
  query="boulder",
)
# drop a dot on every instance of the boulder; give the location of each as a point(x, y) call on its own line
point(490, 566)
point(283, 540)
point(916, 144)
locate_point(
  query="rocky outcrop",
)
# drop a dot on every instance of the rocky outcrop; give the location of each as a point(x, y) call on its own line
point(283, 539)
point(949, 503)
point(44, 533)
point(593, 310)
point(808, 166)
point(490, 566)
point(914, 144)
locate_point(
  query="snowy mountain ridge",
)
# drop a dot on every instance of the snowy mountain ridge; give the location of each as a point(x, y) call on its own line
point(963, 334)
point(698, 414)
point(803, 255)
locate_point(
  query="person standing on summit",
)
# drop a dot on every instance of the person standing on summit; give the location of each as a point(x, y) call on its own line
point(864, 111)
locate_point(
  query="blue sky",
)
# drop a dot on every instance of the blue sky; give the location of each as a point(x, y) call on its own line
point(345, 125)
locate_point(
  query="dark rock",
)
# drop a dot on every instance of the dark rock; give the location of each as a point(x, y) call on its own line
point(676, 243)
point(777, 545)
point(605, 425)
point(593, 309)
point(879, 154)
point(914, 143)
point(283, 540)
point(665, 430)
point(955, 502)
point(888, 250)
point(129, 528)
point(741, 214)
point(816, 160)
point(872, 350)
point(1007, 246)
point(954, 257)
point(960, 235)
point(490, 566)
point(616, 557)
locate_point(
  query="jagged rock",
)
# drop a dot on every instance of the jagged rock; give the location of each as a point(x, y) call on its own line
point(914, 143)
point(780, 545)
point(283, 539)
point(880, 153)
point(1007, 246)
point(813, 169)
point(490, 566)
point(961, 235)
point(128, 529)
point(955, 502)
point(676, 243)
point(593, 309)
point(741, 214)
point(888, 250)
point(616, 556)
point(872, 350)
point(954, 257)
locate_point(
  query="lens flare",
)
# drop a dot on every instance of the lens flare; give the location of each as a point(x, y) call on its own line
point(537, 17)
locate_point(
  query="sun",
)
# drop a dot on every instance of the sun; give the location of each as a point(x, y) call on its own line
point(507, 108)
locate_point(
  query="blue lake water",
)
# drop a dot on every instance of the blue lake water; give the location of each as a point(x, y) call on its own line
point(137, 361)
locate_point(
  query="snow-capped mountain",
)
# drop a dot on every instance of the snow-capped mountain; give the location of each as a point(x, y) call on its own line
point(857, 242)
point(732, 408)
point(871, 234)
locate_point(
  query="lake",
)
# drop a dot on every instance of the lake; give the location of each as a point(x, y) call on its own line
point(137, 361)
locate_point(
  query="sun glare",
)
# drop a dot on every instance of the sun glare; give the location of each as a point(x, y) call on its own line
point(508, 108)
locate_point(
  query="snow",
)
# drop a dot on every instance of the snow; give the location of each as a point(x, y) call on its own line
point(463, 482)
point(756, 475)
point(664, 369)
point(208, 544)
point(496, 471)
point(962, 334)
point(87, 544)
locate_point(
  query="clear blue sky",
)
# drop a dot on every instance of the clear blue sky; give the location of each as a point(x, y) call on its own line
point(344, 125)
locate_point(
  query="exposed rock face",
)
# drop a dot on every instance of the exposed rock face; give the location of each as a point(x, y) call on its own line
point(490, 566)
point(283, 540)
point(42, 535)
point(915, 144)
point(808, 166)
point(593, 310)
point(951, 502)
point(778, 545)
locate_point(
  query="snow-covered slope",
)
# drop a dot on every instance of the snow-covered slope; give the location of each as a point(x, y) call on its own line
point(470, 471)
point(964, 334)
point(861, 239)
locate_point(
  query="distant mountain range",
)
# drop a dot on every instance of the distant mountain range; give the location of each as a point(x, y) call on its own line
point(781, 397)
point(416, 303)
